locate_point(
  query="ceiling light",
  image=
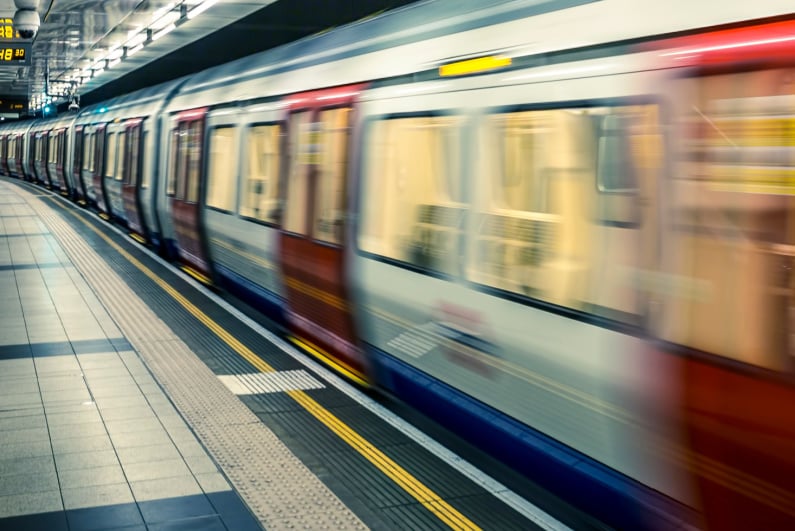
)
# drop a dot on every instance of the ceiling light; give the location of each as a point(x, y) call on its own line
point(201, 8)
point(163, 31)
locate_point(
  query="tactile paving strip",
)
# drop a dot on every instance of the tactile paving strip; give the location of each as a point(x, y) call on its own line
point(278, 488)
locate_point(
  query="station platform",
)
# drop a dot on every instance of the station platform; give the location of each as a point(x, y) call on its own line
point(131, 397)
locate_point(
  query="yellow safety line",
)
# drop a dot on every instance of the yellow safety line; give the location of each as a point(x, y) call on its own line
point(428, 498)
point(319, 353)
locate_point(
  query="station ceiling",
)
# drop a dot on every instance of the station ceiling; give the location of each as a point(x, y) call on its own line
point(102, 48)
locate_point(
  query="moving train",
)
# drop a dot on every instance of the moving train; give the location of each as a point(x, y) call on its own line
point(564, 229)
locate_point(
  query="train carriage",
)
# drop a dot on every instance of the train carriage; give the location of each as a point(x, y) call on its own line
point(118, 158)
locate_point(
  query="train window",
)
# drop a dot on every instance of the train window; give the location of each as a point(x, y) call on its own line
point(260, 199)
point(121, 156)
point(144, 174)
point(221, 177)
point(411, 207)
point(731, 243)
point(193, 146)
point(110, 155)
point(544, 209)
point(331, 171)
point(615, 172)
point(174, 166)
point(52, 149)
point(134, 144)
point(88, 151)
point(303, 138)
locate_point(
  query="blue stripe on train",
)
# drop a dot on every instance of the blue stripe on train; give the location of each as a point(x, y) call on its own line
point(595, 488)
point(267, 302)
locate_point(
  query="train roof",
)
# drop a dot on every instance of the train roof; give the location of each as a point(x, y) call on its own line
point(424, 35)
point(143, 102)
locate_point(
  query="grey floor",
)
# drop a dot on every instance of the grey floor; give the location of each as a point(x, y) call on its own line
point(88, 439)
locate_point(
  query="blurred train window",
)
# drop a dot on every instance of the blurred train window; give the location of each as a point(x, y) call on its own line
point(194, 146)
point(412, 210)
point(221, 176)
point(135, 154)
point(52, 149)
point(88, 152)
point(144, 173)
point(260, 198)
point(550, 222)
point(110, 155)
point(303, 139)
point(173, 166)
point(331, 171)
point(615, 173)
point(121, 156)
point(732, 235)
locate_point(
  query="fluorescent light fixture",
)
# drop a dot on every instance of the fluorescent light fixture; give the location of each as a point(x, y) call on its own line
point(163, 31)
point(165, 20)
point(116, 53)
point(162, 11)
point(201, 8)
point(136, 40)
point(134, 50)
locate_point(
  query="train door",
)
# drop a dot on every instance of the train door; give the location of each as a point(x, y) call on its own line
point(131, 171)
point(115, 146)
point(184, 192)
point(4, 154)
point(77, 166)
point(60, 163)
point(98, 170)
point(730, 244)
point(39, 159)
point(313, 235)
point(15, 155)
point(56, 153)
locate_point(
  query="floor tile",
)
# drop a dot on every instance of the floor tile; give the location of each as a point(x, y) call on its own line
point(141, 438)
point(175, 508)
point(139, 454)
point(23, 435)
point(40, 464)
point(156, 489)
point(81, 460)
point(81, 444)
point(49, 521)
point(105, 517)
point(212, 482)
point(23, 483)
point(156, 470)
point(201, 523)
point(97, 496)
point(32, 503)
point(87, 477)
point(22, 422)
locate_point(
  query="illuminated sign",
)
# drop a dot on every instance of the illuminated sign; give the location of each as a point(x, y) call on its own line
point(16, 53)
point(7, 29)
point(474, 66)
point(13, 105)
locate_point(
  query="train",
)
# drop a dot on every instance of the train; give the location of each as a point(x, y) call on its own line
point(563, 229)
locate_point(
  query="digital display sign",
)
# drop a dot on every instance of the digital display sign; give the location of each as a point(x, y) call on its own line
point(11, 49)
point(7, 29)
point(13, 105)
point(13, 54)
